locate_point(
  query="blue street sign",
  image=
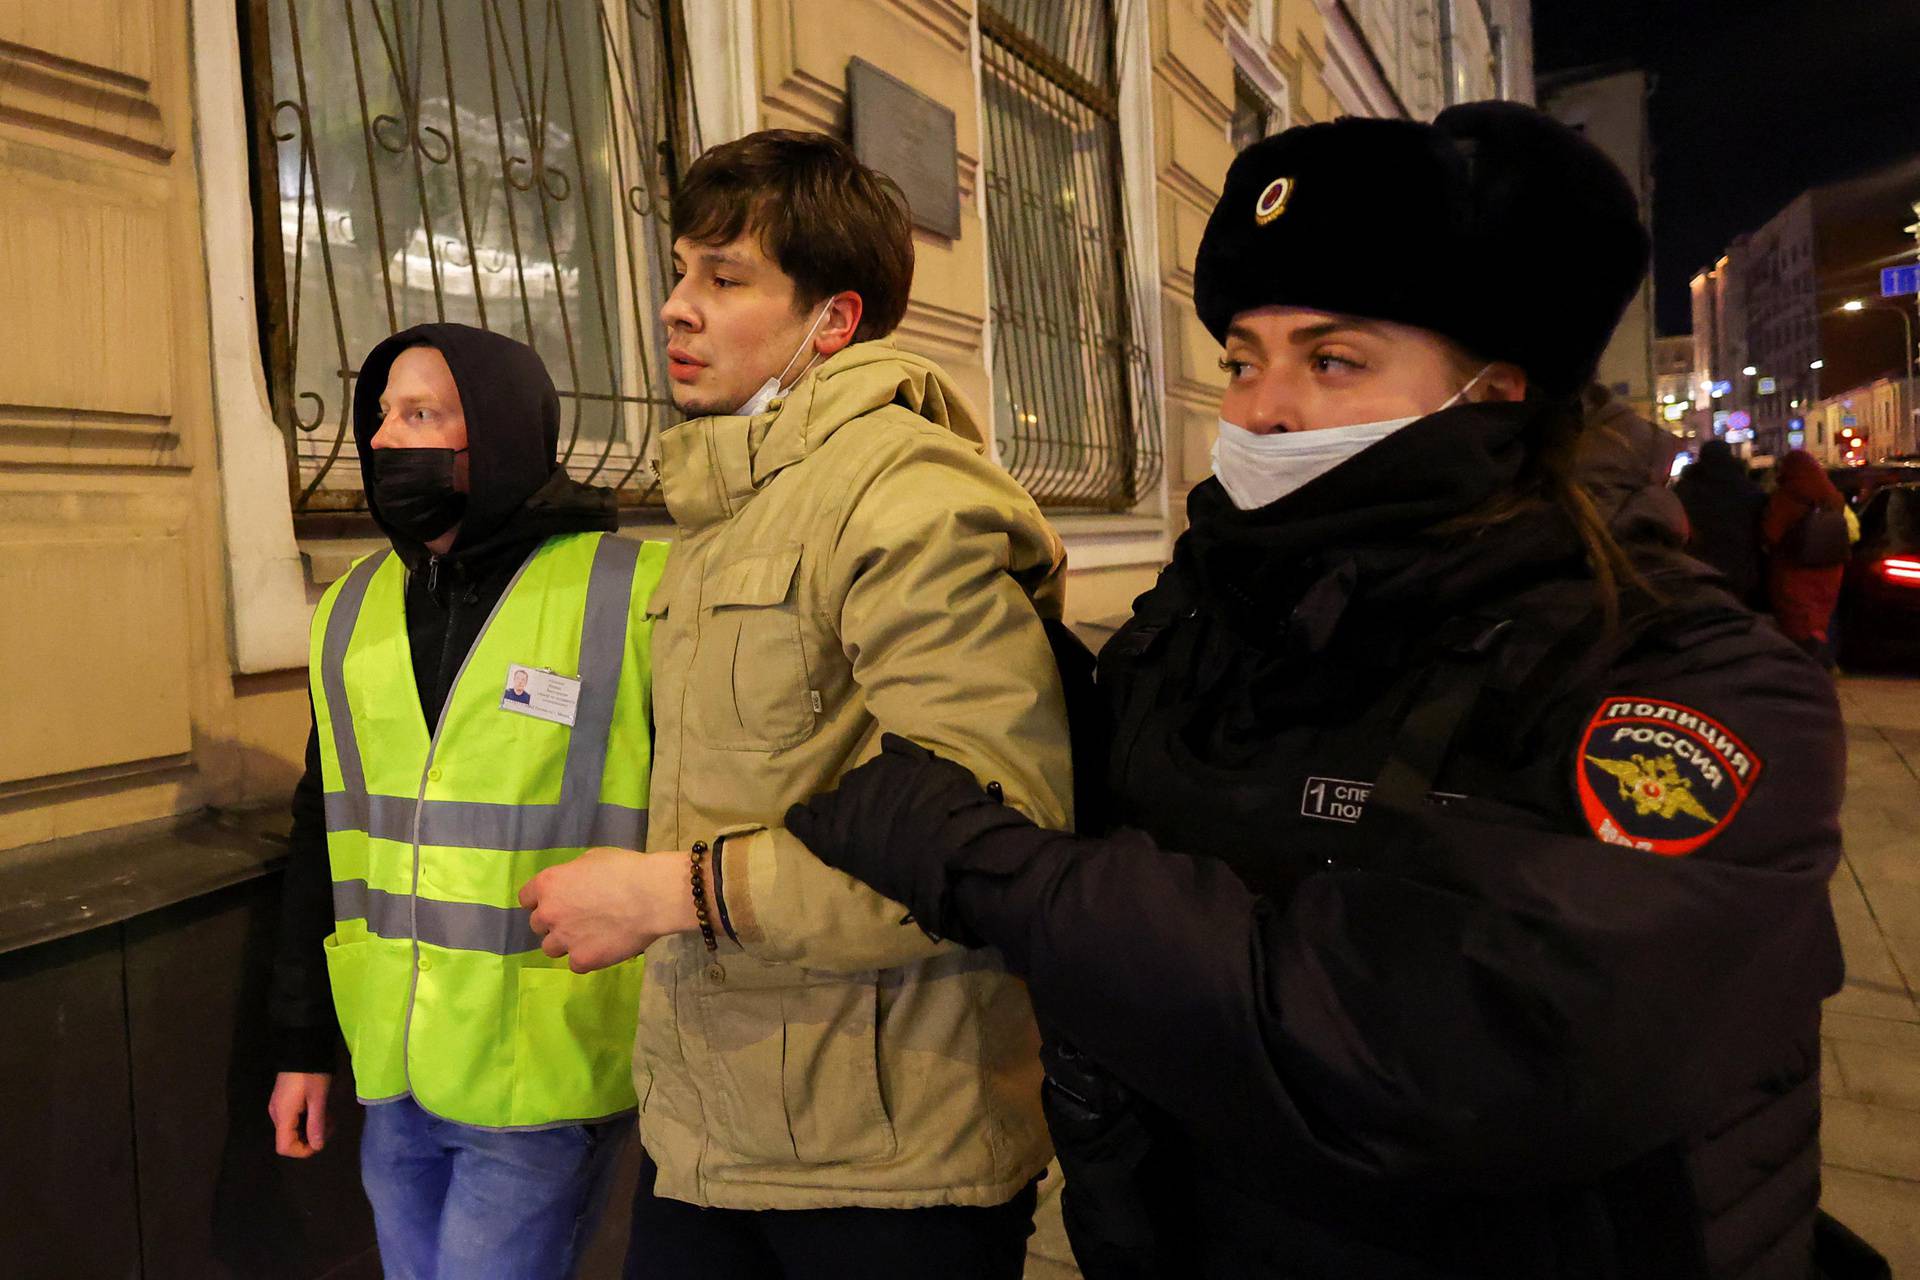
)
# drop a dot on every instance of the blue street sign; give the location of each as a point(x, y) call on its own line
point(1895, 281)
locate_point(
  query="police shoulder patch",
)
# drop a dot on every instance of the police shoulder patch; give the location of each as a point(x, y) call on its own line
point(1660, 776)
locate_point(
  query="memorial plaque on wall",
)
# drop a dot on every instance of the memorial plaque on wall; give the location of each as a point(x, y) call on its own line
point(909, 137)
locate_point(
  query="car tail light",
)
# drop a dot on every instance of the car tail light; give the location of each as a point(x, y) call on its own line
point(1900, 570)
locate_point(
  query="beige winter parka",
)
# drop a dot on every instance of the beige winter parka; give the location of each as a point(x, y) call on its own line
point(846, 563)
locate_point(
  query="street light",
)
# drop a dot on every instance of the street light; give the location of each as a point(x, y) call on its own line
point(1855, 305)
point(1750, 370)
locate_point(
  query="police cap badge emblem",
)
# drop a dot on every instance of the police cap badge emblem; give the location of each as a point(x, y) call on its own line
point(1273, 201)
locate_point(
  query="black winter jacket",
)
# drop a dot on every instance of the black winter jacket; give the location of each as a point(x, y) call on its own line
point(1445, 931)
point(1723, 511)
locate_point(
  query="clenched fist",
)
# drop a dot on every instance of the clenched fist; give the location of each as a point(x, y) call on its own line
point(609, 905)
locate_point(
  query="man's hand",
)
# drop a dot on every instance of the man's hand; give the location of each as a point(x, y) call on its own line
point(609, 905)
point(297, 1096)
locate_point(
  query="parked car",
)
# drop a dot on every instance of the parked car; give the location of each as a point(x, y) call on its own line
point(1880, 601)
point(1858, 484)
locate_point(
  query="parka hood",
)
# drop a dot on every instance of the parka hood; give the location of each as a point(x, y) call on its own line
point(711, 466)
point(868, 375)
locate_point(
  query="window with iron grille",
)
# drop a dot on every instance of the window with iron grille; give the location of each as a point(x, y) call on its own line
point(1076, 418)
point(501, 163)
point(1254, 115)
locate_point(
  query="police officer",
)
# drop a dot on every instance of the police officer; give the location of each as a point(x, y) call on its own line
point(1463, 912)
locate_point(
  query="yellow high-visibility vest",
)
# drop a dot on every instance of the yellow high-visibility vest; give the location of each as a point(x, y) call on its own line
point(442, 990)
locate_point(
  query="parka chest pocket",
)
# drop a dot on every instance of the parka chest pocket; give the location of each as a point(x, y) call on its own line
point(749, 671)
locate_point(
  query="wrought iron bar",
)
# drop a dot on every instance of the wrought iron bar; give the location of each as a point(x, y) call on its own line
point(575, 124)
point(1043, 60)
point(1076, 415)
point(460, 167)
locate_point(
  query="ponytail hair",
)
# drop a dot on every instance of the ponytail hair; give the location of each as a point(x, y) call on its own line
point(1551, 477)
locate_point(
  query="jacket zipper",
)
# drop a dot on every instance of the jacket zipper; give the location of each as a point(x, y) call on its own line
point(440, 684)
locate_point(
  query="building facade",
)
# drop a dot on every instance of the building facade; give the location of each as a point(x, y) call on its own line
point(1676, 382)
point(213, 208)
point(1609, 106)
point(1772, 316)
point(210, 209)
point(1414, 58)
point(1707, 295)
point(1858, 425)
point(1782, 376)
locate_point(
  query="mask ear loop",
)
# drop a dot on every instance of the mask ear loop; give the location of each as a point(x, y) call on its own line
point(805, 342)
point(1455, 398)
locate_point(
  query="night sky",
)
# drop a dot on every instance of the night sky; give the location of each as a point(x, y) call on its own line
point(1755, 101)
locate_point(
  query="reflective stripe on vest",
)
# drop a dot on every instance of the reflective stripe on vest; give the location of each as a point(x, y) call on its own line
point(463, 926)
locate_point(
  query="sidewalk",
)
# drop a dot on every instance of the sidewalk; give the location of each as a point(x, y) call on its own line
point(1871, 1050)
point(1871, 1076)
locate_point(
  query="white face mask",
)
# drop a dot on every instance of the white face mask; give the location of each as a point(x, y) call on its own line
point(762, 400)
point(1257, 470)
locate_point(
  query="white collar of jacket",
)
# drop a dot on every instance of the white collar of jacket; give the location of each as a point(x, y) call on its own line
point(711, 467)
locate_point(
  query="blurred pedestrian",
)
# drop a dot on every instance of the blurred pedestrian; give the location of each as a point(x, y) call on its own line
point(1723, 515)
point(1805, 533)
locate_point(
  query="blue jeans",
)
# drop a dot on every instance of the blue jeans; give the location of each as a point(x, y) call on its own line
point(452, 1202)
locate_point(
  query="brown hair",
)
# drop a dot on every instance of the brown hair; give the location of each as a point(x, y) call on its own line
point(830, 222)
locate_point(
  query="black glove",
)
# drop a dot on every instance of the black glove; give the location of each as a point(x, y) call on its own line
point(902, 822)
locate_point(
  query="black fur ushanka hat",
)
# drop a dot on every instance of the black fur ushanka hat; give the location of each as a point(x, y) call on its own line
point(1495, 226)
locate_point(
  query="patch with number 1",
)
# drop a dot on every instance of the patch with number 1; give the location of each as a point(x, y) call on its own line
point(1345, 800)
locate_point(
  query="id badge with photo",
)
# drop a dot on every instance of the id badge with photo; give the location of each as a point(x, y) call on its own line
point(542, 694)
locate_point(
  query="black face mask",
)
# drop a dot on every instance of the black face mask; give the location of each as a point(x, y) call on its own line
point(414, 490)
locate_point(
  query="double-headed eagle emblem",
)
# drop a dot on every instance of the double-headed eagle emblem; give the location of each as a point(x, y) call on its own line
point(1655, 786)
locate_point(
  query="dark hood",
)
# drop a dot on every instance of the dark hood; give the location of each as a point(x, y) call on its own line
point(1718, 465)
point(518, 491)
point(1801, 477)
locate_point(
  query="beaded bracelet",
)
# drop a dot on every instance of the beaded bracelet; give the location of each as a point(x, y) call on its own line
point(698, 852)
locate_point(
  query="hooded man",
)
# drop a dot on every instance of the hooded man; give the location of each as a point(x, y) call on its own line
point(495, 1079)
point(825, 1090)
point(1723, 515)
